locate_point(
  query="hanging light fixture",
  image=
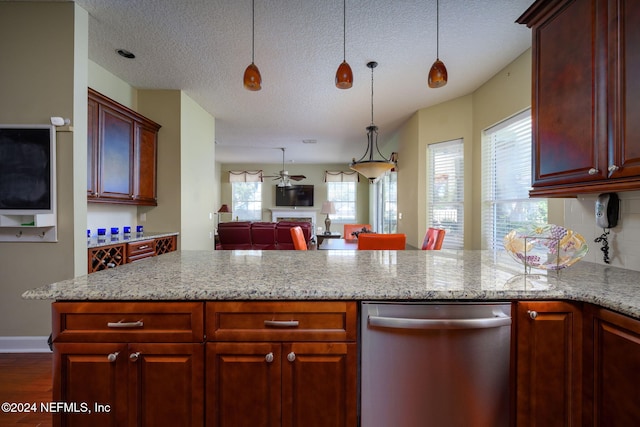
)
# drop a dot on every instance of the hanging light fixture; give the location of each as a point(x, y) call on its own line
point(370, 168)
point(438, 73)
point(252, 78)
point(344, 75)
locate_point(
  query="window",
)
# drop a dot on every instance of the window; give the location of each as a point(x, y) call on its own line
point(385, 203)
point(246, 195)
point(343, 196)
point(445, 183)
point(506, 172)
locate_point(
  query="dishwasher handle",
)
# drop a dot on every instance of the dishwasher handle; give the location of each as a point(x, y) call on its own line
point(410, 323)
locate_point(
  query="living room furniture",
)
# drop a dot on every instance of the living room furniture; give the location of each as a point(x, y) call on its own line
point(350, 228)
point(246, 235)
point(374, 241)
point(298, 238)
point(433, 239)
point(332, 235)
point(338, 244)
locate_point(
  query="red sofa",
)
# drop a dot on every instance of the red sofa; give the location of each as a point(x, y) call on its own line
point(259, 235)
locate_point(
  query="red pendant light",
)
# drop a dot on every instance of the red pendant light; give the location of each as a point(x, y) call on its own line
point(252, 77)
point(344, 75)
point(438, 74)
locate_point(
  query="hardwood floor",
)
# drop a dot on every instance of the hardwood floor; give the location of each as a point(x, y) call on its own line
point(25, 378)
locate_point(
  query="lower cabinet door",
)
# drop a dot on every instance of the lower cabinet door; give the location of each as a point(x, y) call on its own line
point(549, 368)
point(243, 384)
point(91, 379)
point(319, 384)
point(128, 384)
point(166, 385)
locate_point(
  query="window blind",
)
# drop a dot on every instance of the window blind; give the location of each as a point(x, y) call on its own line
point(445, 183)
point(506, 172)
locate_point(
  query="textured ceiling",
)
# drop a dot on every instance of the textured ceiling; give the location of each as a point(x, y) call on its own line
point(203, 46)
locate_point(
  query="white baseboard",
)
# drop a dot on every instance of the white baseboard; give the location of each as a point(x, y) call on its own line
point(24, 345)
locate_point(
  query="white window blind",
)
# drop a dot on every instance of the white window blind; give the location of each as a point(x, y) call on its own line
point(343, 196)
point(445, 183)
point(247, 200)
point(385, 203)
point(506, 172)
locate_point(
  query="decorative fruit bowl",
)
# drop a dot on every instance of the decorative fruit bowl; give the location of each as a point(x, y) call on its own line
point(547, 247)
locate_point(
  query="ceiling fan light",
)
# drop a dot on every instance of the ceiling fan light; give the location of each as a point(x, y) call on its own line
point(252, 78)
point(437, 75)
point(344, 76)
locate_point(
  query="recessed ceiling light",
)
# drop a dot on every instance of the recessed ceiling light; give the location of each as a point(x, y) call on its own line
point(309, 141)
point(125, 53)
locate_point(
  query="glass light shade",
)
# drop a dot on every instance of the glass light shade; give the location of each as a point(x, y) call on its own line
point(372, 169)
point(344, 76)
point(252, 78)
point(437, 75)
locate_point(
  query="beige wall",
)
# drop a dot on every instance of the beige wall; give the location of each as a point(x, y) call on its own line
point(314, 176)
point(502, 96)
point(44, 74)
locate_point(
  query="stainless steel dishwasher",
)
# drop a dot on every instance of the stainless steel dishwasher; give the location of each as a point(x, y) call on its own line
point(440, 365)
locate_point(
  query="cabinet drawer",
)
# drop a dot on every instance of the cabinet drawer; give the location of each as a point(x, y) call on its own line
point(140, 250)
point(281, 321)
point(128, 322)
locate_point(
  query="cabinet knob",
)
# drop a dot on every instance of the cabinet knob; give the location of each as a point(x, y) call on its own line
point(593, 171)
point(112, 357)
point(134, 356)
point(532, 314)
point(613, 168)
point(291, 356)
point(269, 357)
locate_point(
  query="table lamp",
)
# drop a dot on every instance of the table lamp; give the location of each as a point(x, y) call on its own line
point(327, 208)
point(223, 209)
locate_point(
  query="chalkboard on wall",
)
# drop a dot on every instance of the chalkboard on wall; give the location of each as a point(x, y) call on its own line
point(27, 169)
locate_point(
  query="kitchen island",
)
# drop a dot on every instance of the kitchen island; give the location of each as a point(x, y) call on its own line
point(190, 332)
point(348, 275)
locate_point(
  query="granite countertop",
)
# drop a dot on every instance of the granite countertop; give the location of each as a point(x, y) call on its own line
point(348, 275)
point(95, 242)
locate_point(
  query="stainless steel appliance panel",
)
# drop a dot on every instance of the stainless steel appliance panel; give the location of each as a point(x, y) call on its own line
point(441, 365)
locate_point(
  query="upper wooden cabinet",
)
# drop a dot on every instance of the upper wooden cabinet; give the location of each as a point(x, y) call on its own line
point(121, 153)
point(585, 129)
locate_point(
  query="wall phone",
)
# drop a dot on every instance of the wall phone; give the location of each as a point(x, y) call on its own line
point(607, 210)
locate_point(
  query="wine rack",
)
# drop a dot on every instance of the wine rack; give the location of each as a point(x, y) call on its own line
point(165, 244)
point(105, 257)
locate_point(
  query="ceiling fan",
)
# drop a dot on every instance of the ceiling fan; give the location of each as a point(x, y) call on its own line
point(284, 176)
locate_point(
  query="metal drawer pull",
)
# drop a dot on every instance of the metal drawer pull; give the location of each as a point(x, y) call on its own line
point(532, 314)
point(269, 357)
point(404, 323)
point(281, 323)
point(593, 171)
point(291, 356)
point(112, 357)
point(122, 324)
point(143, 247)
point(613, 168)
point(134, 356)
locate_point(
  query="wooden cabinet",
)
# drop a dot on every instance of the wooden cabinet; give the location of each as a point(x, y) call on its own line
point(281, 364)
point(130, 364)
point(122, 153)
point(140, 250)
point(613, 362)
point(584, 104)
point(549, 364)
point(104, 257)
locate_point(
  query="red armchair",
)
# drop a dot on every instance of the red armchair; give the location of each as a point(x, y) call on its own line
point(283, 233)
point(263, 235)
point(235, 235)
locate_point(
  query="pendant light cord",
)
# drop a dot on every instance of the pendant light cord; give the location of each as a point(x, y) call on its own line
point(253, 30)
point(344, 31)
point(437, 29)
point(372, 96)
